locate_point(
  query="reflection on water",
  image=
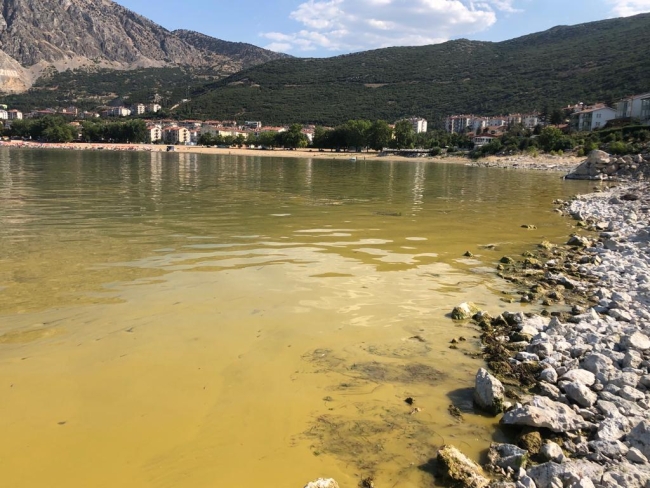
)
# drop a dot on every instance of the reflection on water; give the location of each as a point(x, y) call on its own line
point(183, 320)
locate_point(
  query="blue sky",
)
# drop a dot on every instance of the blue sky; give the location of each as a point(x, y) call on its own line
point(317, 28)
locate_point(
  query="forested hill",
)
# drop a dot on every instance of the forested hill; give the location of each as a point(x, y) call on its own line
point(598, 61)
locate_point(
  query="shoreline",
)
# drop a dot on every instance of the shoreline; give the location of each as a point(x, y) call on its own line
point(542, 162)
point(583, 415)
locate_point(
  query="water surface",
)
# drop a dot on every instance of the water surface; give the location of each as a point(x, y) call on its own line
point(180, 320)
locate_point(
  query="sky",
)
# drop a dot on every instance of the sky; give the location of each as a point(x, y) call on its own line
point(322, 28)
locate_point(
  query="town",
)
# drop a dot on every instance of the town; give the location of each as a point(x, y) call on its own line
point(555, 130)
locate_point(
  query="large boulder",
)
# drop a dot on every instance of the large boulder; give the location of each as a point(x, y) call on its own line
point(454, 466)
point(599, 158)
point(545, 413)
point(488, 392)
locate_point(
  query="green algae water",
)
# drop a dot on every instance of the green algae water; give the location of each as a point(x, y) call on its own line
point(191, 321)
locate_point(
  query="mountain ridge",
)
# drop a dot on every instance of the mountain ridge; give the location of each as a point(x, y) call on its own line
point(73, 34)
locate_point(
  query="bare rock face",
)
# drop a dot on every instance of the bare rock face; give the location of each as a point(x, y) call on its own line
point(13, 78)
point(100, 33)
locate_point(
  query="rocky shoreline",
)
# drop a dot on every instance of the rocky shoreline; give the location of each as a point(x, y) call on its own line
point(582, 418)
point(540, 163)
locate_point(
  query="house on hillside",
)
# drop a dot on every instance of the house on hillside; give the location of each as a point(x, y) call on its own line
point(253, 124)
point(483, 139)
point(636, 107)
point(592, 118)
point(14, 114)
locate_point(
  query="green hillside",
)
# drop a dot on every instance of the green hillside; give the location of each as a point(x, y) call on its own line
point(89, 89)
point(599, 61)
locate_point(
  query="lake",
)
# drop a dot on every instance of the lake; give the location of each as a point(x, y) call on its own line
point(190, 321)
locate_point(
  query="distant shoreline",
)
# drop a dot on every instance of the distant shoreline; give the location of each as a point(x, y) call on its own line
point(557, 163)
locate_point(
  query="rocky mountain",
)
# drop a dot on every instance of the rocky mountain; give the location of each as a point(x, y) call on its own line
point(69, 34)
point(245, 55)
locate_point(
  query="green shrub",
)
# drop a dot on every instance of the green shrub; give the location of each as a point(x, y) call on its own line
point(619, 148)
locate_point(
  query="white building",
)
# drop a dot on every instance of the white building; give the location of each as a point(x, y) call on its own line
point(459, 123)
point(15, 114)
point(4, 115)
point(176, 135)
point(636, 107)
point(118, 112)
point(154, 132)
point(478, 124)
point(482, 140)
point(530, 121)
point(153, 108)
point(591, 118)
point(497, 121)
point(209, 129)
point(139, 108)
point(419, 124)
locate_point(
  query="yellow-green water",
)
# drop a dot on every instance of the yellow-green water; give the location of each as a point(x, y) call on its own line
point(186, 321)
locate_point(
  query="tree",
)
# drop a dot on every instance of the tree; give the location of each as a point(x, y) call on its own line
point(379, 135)
point(293, 137)
point(404, 135)
point(268, 139)
point(322, 138)
point(58, 133)
point(356, 133)
point(557, 116)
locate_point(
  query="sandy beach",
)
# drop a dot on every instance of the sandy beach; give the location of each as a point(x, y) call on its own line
point(542, 162)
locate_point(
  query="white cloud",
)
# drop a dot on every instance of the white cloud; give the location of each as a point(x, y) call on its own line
point(625, 8)
point(354, 25)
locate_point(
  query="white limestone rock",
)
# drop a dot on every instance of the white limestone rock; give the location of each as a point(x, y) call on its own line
point(583, 376)
point(637, 340)
point(322, 483)
point(552, 452)
point(489, 393)
point(580, 394)
point(549, 375)
point(543, 412)
point(597, 363)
